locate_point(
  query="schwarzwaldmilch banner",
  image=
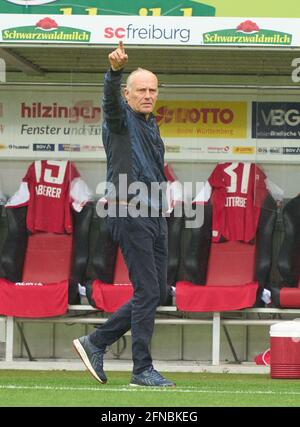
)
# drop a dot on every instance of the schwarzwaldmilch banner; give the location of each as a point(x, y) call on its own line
point(151, 22)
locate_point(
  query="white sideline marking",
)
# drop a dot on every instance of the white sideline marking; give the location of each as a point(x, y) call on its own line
point(148, 389)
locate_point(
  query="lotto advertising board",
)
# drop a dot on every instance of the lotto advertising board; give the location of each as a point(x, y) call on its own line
point(57, 122)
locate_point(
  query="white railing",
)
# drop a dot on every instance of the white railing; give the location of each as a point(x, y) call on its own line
point(168, 315)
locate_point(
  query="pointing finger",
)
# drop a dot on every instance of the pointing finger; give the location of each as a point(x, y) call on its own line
point(121, 46)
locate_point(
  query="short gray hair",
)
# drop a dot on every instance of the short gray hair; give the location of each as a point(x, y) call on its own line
point(134, 72)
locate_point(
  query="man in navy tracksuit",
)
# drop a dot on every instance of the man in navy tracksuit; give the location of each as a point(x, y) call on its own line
point(135, 151)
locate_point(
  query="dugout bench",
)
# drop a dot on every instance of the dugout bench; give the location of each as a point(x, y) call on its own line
point(166, 315)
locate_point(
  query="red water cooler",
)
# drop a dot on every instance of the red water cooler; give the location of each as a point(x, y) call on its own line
point(285, 349)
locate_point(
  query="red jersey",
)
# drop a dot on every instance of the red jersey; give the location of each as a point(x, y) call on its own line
point(47, 191)
point(238, 190)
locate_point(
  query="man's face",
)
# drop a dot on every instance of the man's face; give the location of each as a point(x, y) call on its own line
point(141, 92)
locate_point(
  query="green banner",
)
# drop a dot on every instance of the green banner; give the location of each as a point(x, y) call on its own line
point(219, 8)
point(256, 8)
point(108, 7)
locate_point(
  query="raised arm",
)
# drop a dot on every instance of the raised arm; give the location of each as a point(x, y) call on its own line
point(118, 57)
point(113, 102)
point(112, 99)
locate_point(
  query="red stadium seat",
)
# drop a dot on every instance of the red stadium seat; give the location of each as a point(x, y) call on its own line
point(287, 293)
point(47, 258)
point(110, 296)
point(45, 253)
point(229, 275)
point(41, 272)
point(110, 286)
